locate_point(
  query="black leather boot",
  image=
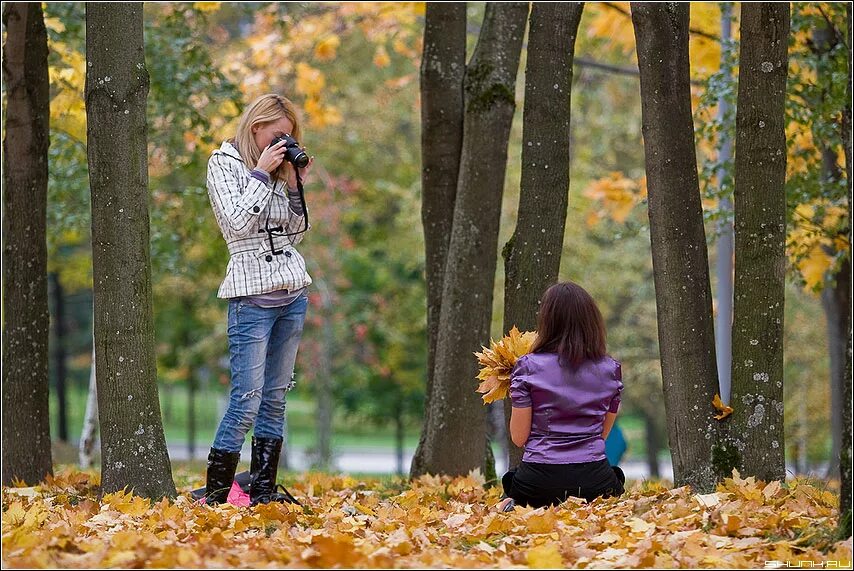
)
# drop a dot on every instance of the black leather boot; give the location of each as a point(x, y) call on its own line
point(265, 465)
point(221, 468)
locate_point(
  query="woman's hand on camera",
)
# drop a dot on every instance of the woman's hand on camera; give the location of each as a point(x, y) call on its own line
point(303, 172)
point(271, 157)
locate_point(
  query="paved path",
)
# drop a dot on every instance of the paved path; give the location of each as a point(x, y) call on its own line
point(384, 461)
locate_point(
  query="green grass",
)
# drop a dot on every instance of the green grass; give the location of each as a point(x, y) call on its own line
point(348, 432)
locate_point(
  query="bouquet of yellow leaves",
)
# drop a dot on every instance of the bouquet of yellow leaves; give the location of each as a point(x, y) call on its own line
point(497, 362)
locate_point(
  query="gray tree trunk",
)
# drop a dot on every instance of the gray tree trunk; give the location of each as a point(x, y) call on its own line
point(324, 382)
point(443, 65)
point(134, 453)
point(26, 321)
point(89, 434)
point(532, 255)
point(455, 427)
point(724, 265)
point(679, 257)
point(845, 444)
point(757, 435)
point(836, 302)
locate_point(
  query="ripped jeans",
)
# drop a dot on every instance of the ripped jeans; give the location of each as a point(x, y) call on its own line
point(263, 344)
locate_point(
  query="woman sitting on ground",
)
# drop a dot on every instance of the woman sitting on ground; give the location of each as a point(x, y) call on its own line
point(565, 395)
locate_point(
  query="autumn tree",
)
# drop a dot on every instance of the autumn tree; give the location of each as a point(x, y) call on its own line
point(532, 255)
point(443, 65)
point(680, 261)
point(454, 439)
point(26, 422)
point(760, 235)
point(134, 451)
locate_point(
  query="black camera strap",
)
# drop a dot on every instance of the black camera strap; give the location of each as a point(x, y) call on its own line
point(278, 231)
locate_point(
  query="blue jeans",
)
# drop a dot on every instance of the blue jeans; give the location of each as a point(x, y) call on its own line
point(263, 344)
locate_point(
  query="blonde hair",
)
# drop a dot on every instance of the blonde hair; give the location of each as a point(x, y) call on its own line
point(265, 109)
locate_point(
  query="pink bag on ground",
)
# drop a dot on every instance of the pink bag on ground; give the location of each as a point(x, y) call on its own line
point(237, 497)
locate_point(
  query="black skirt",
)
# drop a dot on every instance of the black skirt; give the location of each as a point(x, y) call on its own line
point(539, 485)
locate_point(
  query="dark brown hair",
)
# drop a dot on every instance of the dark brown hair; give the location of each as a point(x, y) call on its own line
point(570, 324)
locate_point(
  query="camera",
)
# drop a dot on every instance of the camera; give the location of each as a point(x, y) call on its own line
point(293, 153)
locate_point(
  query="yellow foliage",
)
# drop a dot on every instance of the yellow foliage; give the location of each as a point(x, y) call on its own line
point(207, 6)
point(327, 48)
point(816, 237)
point(617, 194)
point(497, 362)
point(310, 81)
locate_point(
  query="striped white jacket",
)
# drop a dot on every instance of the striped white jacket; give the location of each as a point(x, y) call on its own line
point(244, 206)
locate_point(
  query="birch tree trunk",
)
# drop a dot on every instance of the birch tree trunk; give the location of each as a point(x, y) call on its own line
point(134, 453)
point(454, 439)
point(26, 321)
point(532, 255)
point(679, 257)
point(89, 434)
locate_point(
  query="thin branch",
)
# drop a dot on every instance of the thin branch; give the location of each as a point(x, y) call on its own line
point(620, 70)
point(695, 31)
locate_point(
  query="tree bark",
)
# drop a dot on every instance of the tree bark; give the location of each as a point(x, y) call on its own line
point(532, 255)
point(443, 64)
point(134, 453)
point(26, 321)
point(679, 256)
point(455, 427)
point(756, 443)
point(845, 444)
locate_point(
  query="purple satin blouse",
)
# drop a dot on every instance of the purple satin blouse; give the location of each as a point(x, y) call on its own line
point(568, 406)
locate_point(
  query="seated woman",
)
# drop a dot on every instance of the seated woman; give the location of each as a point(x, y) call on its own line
point(565, 395)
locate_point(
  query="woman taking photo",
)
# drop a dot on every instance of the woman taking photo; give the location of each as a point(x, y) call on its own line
point(565, 395)
point(253, 189)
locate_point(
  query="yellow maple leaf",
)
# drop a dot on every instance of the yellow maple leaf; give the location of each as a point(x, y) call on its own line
point(544, 557)
point(725, 410)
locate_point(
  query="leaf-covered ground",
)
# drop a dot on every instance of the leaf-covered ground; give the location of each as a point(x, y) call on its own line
point(433, 522)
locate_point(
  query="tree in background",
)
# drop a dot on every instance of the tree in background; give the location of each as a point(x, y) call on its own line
point(756, 445)
point(680, 261)
point(455, 422)
point(26, 419)
point(134, 448)
point(532, 255)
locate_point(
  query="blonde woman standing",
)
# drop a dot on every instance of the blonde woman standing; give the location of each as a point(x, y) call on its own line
point(252, 186)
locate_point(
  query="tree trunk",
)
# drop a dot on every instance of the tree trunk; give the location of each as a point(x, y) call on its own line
point(532, 255)
point(399, 434)
point(134, 453)
point(59, 357)
point(191, 415)
point(89, 434)
point(651, 436)
point(845, 444)
point(324, 382)
point(443, 64)
point(756, 444)
point(456, 424)
point(836, 301)
point(724, 265)
point(26, 321)
point(679, 257)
